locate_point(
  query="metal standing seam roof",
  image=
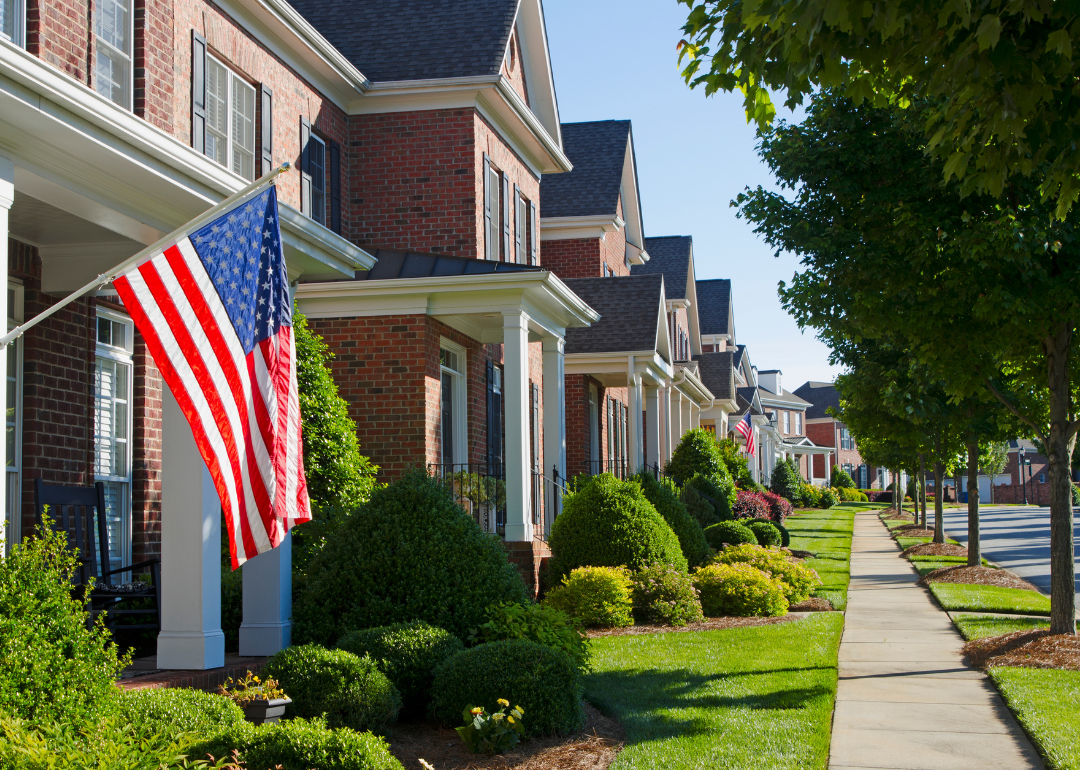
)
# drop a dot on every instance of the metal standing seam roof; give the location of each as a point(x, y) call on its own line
point(669, 256)
point(714, 305)
point(629, 308)
point(717, 373)
point(598, 151)
point(415, 39)
point(821, 396)
point(410, 264)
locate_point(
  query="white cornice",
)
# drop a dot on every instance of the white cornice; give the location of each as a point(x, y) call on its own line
point(574, 228)
point(677, 303)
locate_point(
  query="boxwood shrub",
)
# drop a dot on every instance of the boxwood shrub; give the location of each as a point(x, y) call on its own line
point(766, 532)
point(165, 710)
point(785, 536)
point(349, 690)
point(543, 681)
point(729, 533)
point(799, 581)
point(535, 623)
point(719, 491)
point(664, 498)
point(410, 553)
point(610, 523)
point(739, 589)
point(697, 452)
point(841, 478)
point(700, 509)
point(598, 597)
point(408, 653)
point(665, 596)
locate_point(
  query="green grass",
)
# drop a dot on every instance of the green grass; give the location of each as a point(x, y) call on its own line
point(982, 626)
point(1044, 700)
point(757, 697)
point(907, 542)
point(927, 564)
point(976, 598)
point(827, 534)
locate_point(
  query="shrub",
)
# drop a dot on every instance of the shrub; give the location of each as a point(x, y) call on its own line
point(828, 498)
point(350, 691)
point(751, 505)
point(785, 536)
point(739, 589)
point(766, 532)
point(841, 479)
point(52, 667)
point(300, 744)
point(408, 653)
point(610, 523)
point(849, 495)
point(545, 682)
point(729, 533)
point(779, 507)
point(798, 579)
point(664, 595)
point(1075, 494)
point(697, 452)
point(718, 492)
point(163, 710)
point(663, 497)
point(786, 481)
point(810, 497)
point(598, 597)
point(535, 623)
point(703, 512)
point(737, 463)
point(410, 553)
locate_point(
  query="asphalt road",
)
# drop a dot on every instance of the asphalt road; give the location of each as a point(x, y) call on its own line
point(1016, 538)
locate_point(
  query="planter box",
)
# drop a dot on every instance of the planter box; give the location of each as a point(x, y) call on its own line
point(263, 712)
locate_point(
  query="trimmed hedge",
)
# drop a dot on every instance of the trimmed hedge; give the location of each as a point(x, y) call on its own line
point(543, 681)
point(799, 581)
point(598, 597)
point(841, 479)
point(665, 596)
point(739, 589)
point(663, 497)
point(700, 509)
point(350, 691)
point(410, 553)
point(408, 653)
point(697, 452)
point(719, 492)
point(785, 536)
point(166, 710)
point(766, 533)
point(610, 523)
point(729, 533)
point(851, 495)
point(538, 623)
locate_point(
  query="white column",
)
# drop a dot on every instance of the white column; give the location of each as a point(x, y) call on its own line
point(7, 197)
point(675, 426)
point(652, 425)
point(687, 415)
point(554, 418)
point(637, 455)
point(190, 635)
point(665, 425)
point(695, 416)
point(516, 427)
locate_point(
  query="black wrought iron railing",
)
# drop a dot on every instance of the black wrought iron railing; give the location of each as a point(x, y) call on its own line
point(618, 468)
point(479, 488)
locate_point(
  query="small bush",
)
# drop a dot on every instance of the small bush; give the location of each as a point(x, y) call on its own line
point(849, 495)
point(737, 463)
point(841, 479)
point(785, 536)
point(610, 523)
point(828, 498)
point(597, 597)
point(766, 533)
point(751, 505)
point(810, 497)
point(663, 497)
point(665, 596)
point(702, 511)
point(787, 481)
point(729, 533)
point(408, 653)
point(163, 710)
point(1075, 494)
point(350, 691)
point(739, 589)
point(717, 491)
point(697, 452)
point(779, 507)
point(545, 682)
point(798, 579)
point(535, 623)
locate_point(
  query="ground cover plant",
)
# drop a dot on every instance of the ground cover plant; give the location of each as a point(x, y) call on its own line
point(827, 535)
point(983, 626)
point(752, 697)
point(978, 598)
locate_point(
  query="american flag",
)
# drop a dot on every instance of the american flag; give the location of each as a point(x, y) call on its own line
point(746, 428)
point(215, 313)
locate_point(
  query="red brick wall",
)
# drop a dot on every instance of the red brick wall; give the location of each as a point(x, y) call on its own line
point(827, 433)
point(514, 69)
point(577, 421)
point(507, 161)
point(147, 392)
point(59, 33)
point(573, 258)
point(154, 63)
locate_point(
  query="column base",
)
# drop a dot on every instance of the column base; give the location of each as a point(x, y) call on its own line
point(529, 557)
point(191, 650)
point(259, 640)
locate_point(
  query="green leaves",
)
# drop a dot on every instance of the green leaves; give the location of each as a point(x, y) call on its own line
point(989, 32)
point(1058, 42)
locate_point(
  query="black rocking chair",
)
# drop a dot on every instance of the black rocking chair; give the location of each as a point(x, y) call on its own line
point(72, 511)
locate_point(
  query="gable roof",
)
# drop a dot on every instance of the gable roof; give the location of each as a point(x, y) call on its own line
point(669, 256)
point(786, 397)
point(821, 396)
point(631, 314)
point(598, 152)
point(411, 264)
point(718, 373)
point(714, 306)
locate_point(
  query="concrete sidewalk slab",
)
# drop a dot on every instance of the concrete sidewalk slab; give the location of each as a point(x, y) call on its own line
point(915, 690)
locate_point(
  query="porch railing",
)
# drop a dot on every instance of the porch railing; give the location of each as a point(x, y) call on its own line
point(618, 468)
point(479, 488)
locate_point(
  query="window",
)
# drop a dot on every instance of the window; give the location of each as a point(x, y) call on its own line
point(113, 32)
point(1042, 478)
point(13, 442)
point(787, 422)
point(493, 207)
point(230, 119)
point(798, 423)
point(594, 430)
point(864, 477)
point(452, 406)
point(112, 429)
point(11, 20)
point(521, 234)
point(846, 441)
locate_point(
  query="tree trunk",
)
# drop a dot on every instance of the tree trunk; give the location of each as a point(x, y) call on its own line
point(1059, 445)
point(922, 490)
point(898, 498)
point(939, 524)
point(974, 558)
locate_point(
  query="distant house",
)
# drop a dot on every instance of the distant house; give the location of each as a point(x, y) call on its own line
point(825, 430)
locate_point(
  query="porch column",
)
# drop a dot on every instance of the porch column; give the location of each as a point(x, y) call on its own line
point(191, 636)
point(516, 427)
point(554, 418)
point(7, 197)
point(652, 425)
point(675, 426)
point(687, 415)
point(665, 425)
point(695, 416)
point(637, 455)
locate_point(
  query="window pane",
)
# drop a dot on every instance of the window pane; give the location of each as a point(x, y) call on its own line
point(104, 331)
point(116, 521)
point(217, 114)
point(111, 75)
point(318, 180)
point(7, 19)
point(112, 23)
point(243, 128)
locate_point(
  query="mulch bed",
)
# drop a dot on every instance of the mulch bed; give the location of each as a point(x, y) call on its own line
point(912, 530)
point(1029, 649)
point(813, 604)
point(935, 549)
point(592, 748)
point(983, 576)
point(709, 624)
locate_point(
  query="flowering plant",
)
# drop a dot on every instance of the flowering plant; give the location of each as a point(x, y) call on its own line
point(250, 689)
point(493, 733)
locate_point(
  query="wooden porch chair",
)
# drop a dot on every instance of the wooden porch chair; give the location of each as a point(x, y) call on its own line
point(72, 511)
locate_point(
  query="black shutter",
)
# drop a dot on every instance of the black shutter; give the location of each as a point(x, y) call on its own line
point(506, 204)
point(519, 226)
point(534, 257)
point(266, 133)
point(305, 167)
point(335, 187)
point(490, 250)
point(198, 91)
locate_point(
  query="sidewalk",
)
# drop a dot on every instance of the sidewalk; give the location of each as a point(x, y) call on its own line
point(906, 700)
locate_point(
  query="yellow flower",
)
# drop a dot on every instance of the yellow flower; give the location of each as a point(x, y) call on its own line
point(503, 702)
point(476, 710)
point(510, 720)
point(496, 716)
point(520, 710)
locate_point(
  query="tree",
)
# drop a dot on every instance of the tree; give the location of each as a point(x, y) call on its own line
point(841, 479)
point(999, 76)
point(992, 460)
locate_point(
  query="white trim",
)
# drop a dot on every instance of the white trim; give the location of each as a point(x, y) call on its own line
point(568, 228)
point(13, 502)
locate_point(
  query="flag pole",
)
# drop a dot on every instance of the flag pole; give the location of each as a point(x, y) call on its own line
point(248, 191)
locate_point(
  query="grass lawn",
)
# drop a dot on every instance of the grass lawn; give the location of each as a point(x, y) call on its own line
point(907, 542)
point(927, 564)
point(976, 598)
point(827, 533)
point(1044, 700)
point(982, 626)
point(759, 697)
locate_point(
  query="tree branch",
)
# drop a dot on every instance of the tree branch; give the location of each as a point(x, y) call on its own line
point(1012, 408)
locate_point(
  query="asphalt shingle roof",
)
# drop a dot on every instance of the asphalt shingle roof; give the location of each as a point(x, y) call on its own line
point(717, 373)
point(821, 396)
point(598, 152)
point(409, 264)
point(415, 39)
point(714, 305)
point(669, 256)
point(629, 309)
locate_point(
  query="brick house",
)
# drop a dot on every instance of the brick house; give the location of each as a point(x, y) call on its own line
point(825, 430)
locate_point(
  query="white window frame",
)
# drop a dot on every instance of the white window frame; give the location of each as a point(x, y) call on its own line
point(319, 194)
point(129, 55)
point(233, 80)
point(798, 424)
point(458, 402)
point(787, 423)
point(13, 485)
point(18, 25)
point(493, 203)
point(122, 355)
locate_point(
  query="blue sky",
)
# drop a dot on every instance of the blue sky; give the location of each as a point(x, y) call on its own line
point(617, 60)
